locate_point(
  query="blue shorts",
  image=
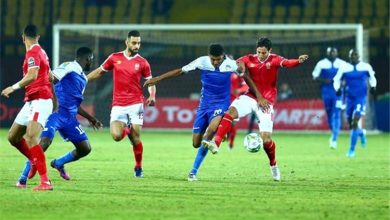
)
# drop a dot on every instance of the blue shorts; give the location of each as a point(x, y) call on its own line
point(67, 125)
point(356, 107)
point(205, 116)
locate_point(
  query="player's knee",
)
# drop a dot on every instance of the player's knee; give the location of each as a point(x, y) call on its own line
point(12, 140)
point(116, 137)
point(45, 143)
point(196, 144)
point(84, 151)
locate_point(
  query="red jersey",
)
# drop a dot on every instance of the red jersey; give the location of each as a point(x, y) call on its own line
point(265, 73)
point(237, 86)
point(40, 88)
point(127, 72)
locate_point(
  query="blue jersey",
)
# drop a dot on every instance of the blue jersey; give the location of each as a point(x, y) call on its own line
point(327, 70)
point(215, 81)
point(355, 77)
point(70, 87)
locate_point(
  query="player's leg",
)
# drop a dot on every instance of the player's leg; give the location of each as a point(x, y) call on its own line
point(232, 135)
point(119, 121)
point(17, 131)
point(73, 132)
point(135, 114)
point(266, 128)
point(336, 122)
point(240, 107)
point(359, 110)
point(200, 125)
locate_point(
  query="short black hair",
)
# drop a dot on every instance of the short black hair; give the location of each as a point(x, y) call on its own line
point(264, 42)
point(83, 52)
point(30, 31)
point(216, 50)
point(133, 33)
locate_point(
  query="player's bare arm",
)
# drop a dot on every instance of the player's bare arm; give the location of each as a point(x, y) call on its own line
point(261, 101)
point(31, 75)
point(151, 101)
point(96, 124)
point(167, 75)
point(95, 74)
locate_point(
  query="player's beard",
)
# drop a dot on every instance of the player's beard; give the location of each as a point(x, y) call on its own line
point(87, 67)
point(132, 52)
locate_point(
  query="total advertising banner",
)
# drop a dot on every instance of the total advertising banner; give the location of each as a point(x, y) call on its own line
point(175, 113)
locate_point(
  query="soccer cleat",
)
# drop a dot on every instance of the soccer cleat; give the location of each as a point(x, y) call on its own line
point(32, 172)
point(21, 184)
point(192, 177)
point(44, 186)
point(138, 172)
point(211, 145)
point(350, 154)
point(60, 169)
point(275, 172)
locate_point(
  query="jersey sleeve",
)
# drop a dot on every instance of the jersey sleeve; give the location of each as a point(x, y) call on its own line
point(146, 70)
point(33, 60)
point(243, 60)
point(108, 64)
point(191, 66)
point(61, 71)
point(372, 78)
point(317, 71)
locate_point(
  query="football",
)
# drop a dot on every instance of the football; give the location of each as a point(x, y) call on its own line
point(253, 142)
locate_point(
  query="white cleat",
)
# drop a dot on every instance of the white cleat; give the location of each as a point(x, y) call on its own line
point(192, 177)
point(275, 172)
point(332, 144)
point(211, 145)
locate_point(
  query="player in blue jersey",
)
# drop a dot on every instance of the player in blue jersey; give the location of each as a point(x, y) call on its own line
point(355, 75)
point(216, 70)
point(324, 72)
point(70, 82)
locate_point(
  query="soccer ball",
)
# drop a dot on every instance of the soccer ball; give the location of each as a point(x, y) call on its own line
point(253, 142)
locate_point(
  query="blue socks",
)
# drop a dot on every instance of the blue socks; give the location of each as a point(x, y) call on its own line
point(25, 171)
point(67, 158)
point(202, 152)
point(336, 124)
point(354, 137)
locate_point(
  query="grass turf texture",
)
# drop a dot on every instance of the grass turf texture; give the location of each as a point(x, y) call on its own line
point(317, 182)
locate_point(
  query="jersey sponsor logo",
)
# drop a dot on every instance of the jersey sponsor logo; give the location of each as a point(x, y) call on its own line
point(252, 65)
point(228, 67)
point(136, 66)
point(31, 62)
point(118, 62)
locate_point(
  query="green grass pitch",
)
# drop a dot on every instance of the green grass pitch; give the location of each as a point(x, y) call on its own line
point(317, 182)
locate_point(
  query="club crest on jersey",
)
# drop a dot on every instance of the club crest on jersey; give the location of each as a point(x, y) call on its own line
point(136, 66)
point(31, 62)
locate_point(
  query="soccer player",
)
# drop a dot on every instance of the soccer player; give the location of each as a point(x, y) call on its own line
point(324, 72)
point(238, 87)
point(70, 82)
point(355, 75)
point(216, 69)
point(261, 76)
point(27, 127)
point(128, 101)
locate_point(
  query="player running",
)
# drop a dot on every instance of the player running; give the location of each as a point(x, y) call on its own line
point(216, 69)
point(355, 75)
point(128, 101)
point(324, 72)
point(261, 76)
point(27, 127)
point(70, 82)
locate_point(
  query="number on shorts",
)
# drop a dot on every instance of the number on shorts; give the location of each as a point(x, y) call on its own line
point(81, 131)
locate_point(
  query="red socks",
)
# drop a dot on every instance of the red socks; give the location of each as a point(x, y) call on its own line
point(223, 128)
point(24, 149)
point(138, 149)
point(38, 158)
point(233, 132)
point(269, 148)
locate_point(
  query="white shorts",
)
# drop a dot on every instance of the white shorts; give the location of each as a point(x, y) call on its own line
point(134, 113)
point(245, 105)
point(36, 110)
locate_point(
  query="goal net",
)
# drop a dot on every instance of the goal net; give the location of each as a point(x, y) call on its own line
point(167, 47)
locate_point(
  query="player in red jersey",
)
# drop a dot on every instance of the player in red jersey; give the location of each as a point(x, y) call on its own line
point(24, 133)
point(237, 88)
point(261, 76)
point(127, 105)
